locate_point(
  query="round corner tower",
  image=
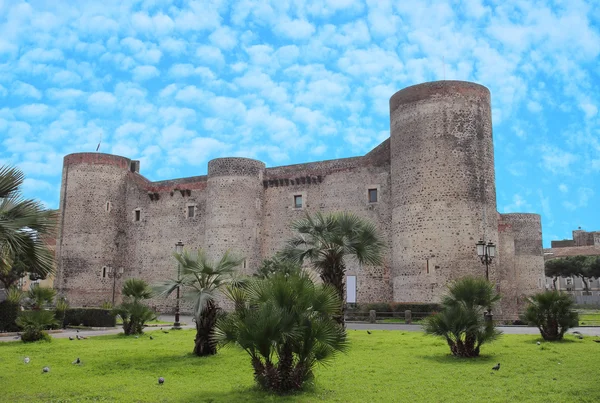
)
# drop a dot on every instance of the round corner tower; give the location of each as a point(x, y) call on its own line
point(443, 186)
point(92, 214)
point(234, 209)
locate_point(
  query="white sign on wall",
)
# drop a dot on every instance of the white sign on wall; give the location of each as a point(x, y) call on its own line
point(351, 289)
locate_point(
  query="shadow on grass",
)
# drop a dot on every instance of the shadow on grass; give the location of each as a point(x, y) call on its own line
point(251, 394)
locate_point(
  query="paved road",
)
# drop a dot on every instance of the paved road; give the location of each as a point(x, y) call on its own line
point(588, 331)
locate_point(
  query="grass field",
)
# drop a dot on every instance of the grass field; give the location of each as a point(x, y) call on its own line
point(385, 366)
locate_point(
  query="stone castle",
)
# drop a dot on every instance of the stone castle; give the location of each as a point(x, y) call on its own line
point(429, 188)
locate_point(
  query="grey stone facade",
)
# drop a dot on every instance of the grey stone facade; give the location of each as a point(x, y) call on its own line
point(436, 197)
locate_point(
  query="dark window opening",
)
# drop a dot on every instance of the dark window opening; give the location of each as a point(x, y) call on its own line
point(298, 201)
point(244, 263)
point(427, 266)
point(190, 211)
point(138, 215)
point(107, 206)
point(104, 272)
point(372, 195)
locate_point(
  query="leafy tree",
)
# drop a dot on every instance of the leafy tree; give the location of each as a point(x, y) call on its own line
point(553, 314)
point(133, 311)
point(461, 320)
point(23, 225)
point(580, 266)
point(284, 322)
point(201, 279)
point(326, 241)
point(34, 324)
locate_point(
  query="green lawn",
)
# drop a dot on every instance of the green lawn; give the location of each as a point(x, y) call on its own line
point(589, 318)
point(385, 366)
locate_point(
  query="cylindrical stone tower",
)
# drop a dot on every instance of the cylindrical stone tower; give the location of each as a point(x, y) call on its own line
point(92, 219)
point(443, 186)
point(529, 255)
point(234, 209)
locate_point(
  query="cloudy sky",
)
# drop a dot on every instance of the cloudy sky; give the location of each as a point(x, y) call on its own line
point(176, 83)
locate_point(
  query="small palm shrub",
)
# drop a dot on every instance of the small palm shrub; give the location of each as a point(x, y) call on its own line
point(39, 297)
point(461, 320)
point(61, 309)
point(133, 311)
point(553, 314)
point(15, 295)
point(284, 322)
point(34, 324)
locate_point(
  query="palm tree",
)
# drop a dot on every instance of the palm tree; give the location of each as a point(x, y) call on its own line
point(461, 321)
point(284, 322)
point(133, 311)
point(552, 312)
point(23, 224)
point(201, 280)
point(326, 241)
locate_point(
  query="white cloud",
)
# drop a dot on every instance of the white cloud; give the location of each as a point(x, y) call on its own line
point(563, 188)
point(556, 160)
point(65, 78)
point(518, 205)
point(590, 110)
point(145, 52)
point(142, 73)
point(224, 38)
point(101, 100)
point(294, 28)
point(192, 95)
point(210, 54)
point(159, 24)
point(173, 46)
point(25, 90)
point(34, 111)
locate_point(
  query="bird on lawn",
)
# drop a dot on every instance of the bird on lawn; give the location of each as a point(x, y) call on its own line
point(46, 369)
point(538, 343)
point(161, 380)
point(137, 337)
point(78, 338)
point(496, 367)
point(368, 332)
point(165, 332)
point(71, 338)
point(151, 338)
point(26, 360)
point(77, 361)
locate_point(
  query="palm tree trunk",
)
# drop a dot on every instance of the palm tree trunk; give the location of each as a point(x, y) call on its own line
point(204, 343)
point(334, 276)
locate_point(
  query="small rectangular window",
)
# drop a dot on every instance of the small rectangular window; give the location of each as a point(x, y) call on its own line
point(427, 266)
point(372, 195)
point(138, 215)
point(190, 211)
point(298, 201)
point(569, 281)
point(104, 272)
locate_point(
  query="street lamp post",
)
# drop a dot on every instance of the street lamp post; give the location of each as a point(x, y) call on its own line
point(486, 253)
point(178, 249)
point(114, 274)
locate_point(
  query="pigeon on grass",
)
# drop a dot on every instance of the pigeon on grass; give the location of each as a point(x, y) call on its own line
point(496, 367)
point(77, 361)
point(161, 380)
point(26, 360)
point(46, 369)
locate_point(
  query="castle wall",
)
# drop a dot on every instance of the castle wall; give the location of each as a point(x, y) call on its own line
point(164, 221)
point(330, 187)
point(442, 183)
point(436, 198)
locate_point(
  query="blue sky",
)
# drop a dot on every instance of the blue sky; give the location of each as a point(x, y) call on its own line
point(177, 83)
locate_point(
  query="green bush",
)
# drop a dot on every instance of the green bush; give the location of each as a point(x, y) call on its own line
point(8, 315)
point(553, 314)
point(34, 324)
point(92, 317)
